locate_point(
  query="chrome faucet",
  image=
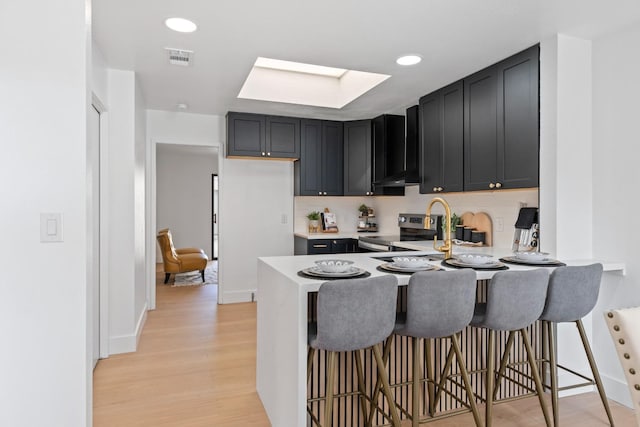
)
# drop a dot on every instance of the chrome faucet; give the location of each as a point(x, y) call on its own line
point(447, 248)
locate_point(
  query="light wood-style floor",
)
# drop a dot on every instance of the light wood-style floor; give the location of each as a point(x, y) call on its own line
point(195, 367)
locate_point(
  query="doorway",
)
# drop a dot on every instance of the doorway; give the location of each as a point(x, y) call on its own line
point(214, 215)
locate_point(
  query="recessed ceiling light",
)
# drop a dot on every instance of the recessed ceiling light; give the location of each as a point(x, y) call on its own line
point(182, 106)
point(181, 25)
point(408, 60)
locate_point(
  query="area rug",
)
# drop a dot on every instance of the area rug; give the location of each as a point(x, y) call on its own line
point(193, 278)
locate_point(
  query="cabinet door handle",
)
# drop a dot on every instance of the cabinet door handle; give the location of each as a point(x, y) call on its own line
point(367, 193)
point(325, 193)
point(320, 246)
point(268, 154)
point(439, 188)
point(263, 153)
point(498, 185)
point(435, 189)
point(319, 193)
point(492, 185)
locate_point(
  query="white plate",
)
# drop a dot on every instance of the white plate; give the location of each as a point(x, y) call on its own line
point(334, 265)
point(531, 256)
point(392, 267)
point(458, 263)
point(531, 261)
point(475, 259)
point(410, 262)
point(315, 271)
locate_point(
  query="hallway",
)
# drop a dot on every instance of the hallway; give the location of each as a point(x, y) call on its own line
point(195, 366)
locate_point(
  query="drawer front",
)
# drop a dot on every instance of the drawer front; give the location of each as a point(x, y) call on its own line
point(319, 246)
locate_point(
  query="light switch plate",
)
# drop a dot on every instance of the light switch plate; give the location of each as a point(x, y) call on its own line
point(50, 227)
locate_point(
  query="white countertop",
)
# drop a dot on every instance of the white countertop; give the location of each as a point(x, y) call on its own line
point(339, 235)
point(290, 265)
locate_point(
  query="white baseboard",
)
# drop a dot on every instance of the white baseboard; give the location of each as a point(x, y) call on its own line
point(617, 390)
point(128, 343)
point(232, 297)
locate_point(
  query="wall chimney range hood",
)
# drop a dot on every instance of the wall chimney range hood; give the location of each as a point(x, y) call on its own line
point(396, 158)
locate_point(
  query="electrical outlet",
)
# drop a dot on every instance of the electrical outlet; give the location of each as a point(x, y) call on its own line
point(499, 224)
point(284, 219)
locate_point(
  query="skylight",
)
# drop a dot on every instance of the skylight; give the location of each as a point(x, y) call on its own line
point(306, 84)
point(299, 67)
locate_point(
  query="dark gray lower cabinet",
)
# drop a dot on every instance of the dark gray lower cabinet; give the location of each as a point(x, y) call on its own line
point(501, 124)
point(304, 246)
point(441, 140)
point(320, 168)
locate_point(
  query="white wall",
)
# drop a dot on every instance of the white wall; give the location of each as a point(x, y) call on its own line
point(498, 204)
point(99, 74)
point(44, 369)
point(183, 193)
point(139, 212)
point(616, 90)
point(126, 158)
point(256, 219)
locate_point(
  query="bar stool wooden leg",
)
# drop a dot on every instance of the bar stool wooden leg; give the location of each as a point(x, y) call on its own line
point(443, 376)
point(310, 355)
point(490, 377)
point(430, 378)
point(416, 383)
point(594, 370)
point(376, 390)
point(465, 379)
point(503, 363)
point(536, 376)
point(328, 404)
point(385, 386)
point(553, 362)
point(361, 387)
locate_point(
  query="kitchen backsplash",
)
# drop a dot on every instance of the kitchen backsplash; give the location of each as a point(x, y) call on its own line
point(503, 204)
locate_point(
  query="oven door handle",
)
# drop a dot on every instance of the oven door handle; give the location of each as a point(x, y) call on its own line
point(373, 247)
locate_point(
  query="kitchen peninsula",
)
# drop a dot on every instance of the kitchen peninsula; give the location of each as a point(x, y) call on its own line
point(286, 303)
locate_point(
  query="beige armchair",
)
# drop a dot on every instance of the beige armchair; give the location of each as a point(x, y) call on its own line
point(623, 326)
point(179, 260)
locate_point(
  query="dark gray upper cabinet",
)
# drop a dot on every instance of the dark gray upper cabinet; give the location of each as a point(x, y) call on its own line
point(256, 135)
point(332, 158)
point(357, 158)
point(442, 140)
point(319, 172)
point(246, 134)
point(501, 124)
point(519, 113)
point(412, 146)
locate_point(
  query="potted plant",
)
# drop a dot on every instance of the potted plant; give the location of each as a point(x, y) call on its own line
point(314, 218)
point(455, 220)
point(364, 210)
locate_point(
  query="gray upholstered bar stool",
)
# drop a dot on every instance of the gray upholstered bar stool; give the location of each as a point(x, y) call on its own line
point(439, 305)
point(353, 315)
point(515, 300)
point(572, 294)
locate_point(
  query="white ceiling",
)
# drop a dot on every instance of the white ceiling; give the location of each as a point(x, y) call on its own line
point(454, 37)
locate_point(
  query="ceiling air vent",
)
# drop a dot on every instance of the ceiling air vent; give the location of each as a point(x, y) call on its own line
point(179, 56)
